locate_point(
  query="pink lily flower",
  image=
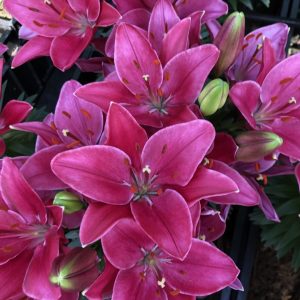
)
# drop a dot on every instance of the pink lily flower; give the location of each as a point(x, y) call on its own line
point(213, 8)
point(75, 123)
point(274, 106)
point(29, 238)
point(133, 170)
point(155, 96)
point(262, 49)
point(64, 28)
point(146, 272)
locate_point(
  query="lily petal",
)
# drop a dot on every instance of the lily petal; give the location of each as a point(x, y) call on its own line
point(176, 151)
point(108, 183)
point(18, 194)
point(194, 64)
point(91, 229)
point(213, 268)
point(167, 222)
point(130, 240)
point(137, 64)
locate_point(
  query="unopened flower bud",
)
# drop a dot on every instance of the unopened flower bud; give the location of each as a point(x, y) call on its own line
point(255, 145)
point(76, 270)
point(213, 96)
point(230, 40)
point(70, 202)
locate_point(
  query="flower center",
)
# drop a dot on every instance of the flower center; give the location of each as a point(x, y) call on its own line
point(143, 185)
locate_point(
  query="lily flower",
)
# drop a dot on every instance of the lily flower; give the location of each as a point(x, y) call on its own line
point(140, 172)
point(64, 28)
point(155, 96)
point(262, 49)
point(29, 238)
point(274, 106)
point(75, 123)
point(147, 272)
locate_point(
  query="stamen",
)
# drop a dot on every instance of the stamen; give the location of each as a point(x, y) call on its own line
point(293, 100)
point(65, 132)
point(146, 77)
point(147, 169)
point(47, 2)
point(202, 237)
point(274, 156)
point(162, 282)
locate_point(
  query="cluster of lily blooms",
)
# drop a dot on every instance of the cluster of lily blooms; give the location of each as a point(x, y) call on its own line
point(131, 161)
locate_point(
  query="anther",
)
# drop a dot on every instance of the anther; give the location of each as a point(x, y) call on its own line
point(65, 132)
point(147, 169)
point(162, 282)
point(146, 77)
point(293, 100)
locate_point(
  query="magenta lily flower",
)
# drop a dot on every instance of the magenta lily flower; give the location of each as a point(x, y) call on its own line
point(64, 28)
point(75, 123)
point(155, 96)
point(29, 237)
point(213, 8)
point(146, 272)
point(262, 49)
point(275, 105)
point(140, 172)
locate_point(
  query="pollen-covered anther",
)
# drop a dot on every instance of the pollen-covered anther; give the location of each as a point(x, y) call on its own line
point(202, 237)
point(47, 2)
point(146, 169)
point(162, 282)
point(65, 132)
point(146, 77)
point(293, 100)
point(274, 156)
point(262, 178)
point(259, 46)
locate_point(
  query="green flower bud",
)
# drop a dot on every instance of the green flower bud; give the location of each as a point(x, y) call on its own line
point(69, 201)
point(213, 96)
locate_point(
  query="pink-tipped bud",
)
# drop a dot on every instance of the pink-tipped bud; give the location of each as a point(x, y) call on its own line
point(76, 270)
point(255, 145)
point(230, 40)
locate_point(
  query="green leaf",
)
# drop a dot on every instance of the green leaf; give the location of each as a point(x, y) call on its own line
point(233, 4)
point(247, 3)
point(266, 2)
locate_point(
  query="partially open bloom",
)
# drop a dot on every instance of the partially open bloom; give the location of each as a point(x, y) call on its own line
point(63, 28)
point(147, 272)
